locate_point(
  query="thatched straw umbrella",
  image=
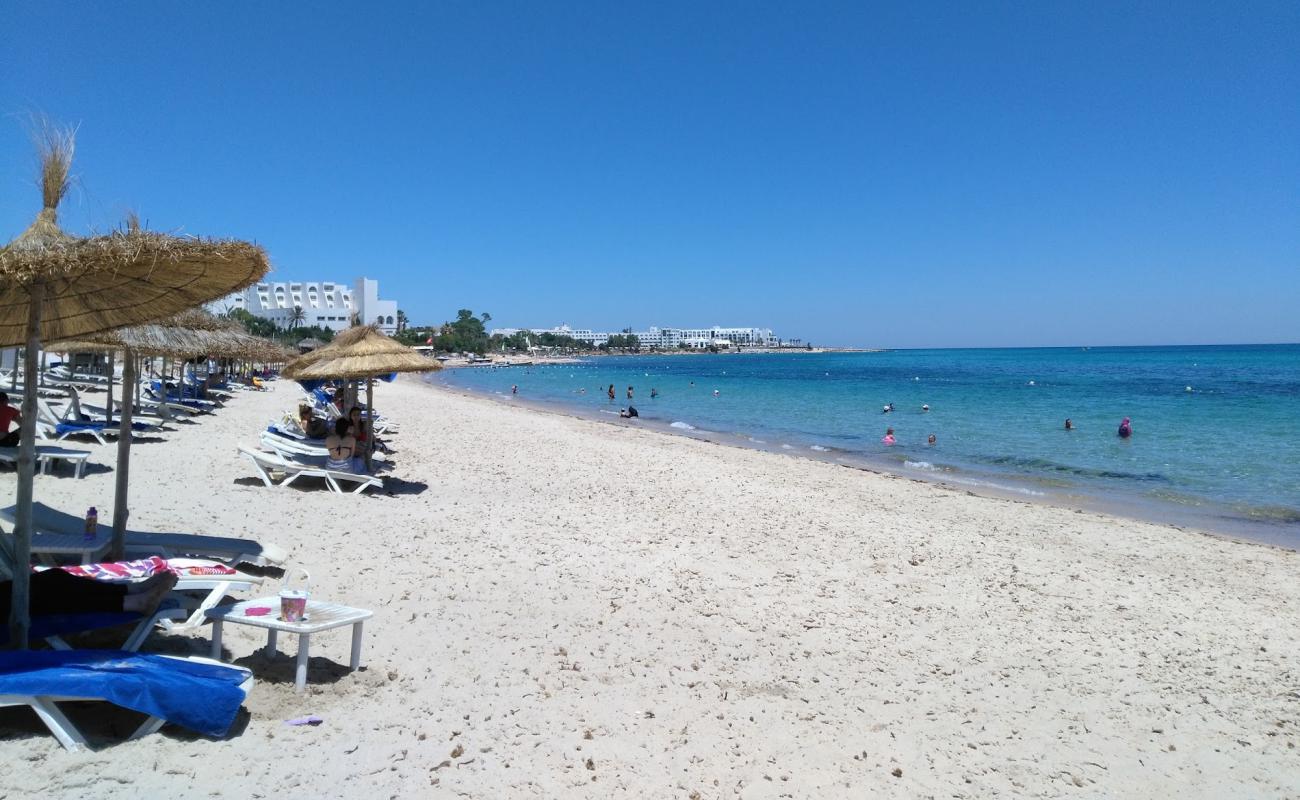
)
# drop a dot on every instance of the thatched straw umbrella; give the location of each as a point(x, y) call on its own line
point(153, 340)
point(188, 334)
point(360, 352)
point(57, 286)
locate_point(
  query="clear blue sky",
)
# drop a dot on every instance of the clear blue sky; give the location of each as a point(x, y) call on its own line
point(895, 175)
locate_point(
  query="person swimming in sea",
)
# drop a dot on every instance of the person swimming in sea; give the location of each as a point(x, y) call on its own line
point(931, 441)
point(888, 438)
point(925, 407)
point(1069, 424)
point(1125, 429)
point(653, 393)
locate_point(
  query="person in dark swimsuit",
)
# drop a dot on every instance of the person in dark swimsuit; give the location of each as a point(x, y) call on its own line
point(341, 448)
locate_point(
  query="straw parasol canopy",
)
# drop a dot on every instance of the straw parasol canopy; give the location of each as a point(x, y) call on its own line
point(127, 277)
point(57, 286)
point(144, 340)
point(360, 352)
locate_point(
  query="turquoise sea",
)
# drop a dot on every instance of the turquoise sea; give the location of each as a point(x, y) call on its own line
point(1216, 430)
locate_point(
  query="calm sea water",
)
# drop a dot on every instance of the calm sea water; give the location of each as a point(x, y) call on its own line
point(1216, 429)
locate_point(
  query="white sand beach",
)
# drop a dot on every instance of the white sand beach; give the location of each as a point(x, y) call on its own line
point(568, 608)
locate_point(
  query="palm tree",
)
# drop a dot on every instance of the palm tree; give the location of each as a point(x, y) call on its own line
point(297, 318)
point(402, 320)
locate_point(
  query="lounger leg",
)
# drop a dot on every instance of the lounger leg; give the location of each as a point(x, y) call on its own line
point(270, 642)
point(147, 727)
point(216, 639)
point(300, 678)
point(59, 725)
point(81, 468)
point(356, 644)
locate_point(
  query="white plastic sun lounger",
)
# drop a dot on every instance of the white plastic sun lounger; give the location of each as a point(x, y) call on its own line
point(140, 543)
point(67, 733)
point(305, 451)
point(293, 469)
point(147, 421)
point(48, 453)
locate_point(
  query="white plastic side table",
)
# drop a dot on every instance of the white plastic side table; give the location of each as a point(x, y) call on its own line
point(319, 617)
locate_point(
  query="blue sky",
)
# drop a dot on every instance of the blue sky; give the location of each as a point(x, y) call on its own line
point(895, 175)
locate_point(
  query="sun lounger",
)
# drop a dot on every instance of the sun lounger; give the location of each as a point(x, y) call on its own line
point(50, 424)
point(47, 454)
point(307, 450)
point(290, 447)
point(78, 411)
point(201, 584)
point(195, 693)
point(306, 467)
point(53, 627)
point(169, 545)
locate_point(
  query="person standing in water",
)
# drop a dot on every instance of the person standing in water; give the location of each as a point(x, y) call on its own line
point(1125, 429)
point(888, 437)
point(1069, 425)
point(514, 388)
point(611, 392)
point(629, 393)
point(653, 393)
point(931, 441)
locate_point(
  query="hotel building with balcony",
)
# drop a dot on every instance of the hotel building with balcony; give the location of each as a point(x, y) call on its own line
point(324, 303)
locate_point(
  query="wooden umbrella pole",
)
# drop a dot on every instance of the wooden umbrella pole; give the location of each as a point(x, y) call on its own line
point(112, 370)
point(19, 616)
point(120, 511)
point(370, 422)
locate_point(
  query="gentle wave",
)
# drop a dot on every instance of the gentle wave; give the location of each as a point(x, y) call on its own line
point(820, 449)
point(686, 426)
point(922, 465)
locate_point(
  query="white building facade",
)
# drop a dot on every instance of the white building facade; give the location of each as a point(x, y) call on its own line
point(666, 338)
point(327, 304)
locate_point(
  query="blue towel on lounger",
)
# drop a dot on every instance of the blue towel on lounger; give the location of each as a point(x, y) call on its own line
point(73, 426)
point(201, 697)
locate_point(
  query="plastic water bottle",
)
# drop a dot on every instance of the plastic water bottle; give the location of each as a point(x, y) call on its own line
point(92, 522)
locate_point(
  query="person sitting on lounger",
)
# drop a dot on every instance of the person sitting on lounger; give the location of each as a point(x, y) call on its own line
point(312, 426)
point(9, 416)
point(342, 449)
point(56, 592)
point(362, 429)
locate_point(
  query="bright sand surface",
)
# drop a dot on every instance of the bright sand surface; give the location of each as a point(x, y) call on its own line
point(576, 608)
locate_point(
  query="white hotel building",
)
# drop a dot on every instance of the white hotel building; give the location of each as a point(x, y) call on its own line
point(666, 338)
point(327, 304)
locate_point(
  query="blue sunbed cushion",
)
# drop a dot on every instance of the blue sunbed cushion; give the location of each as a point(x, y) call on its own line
point(201, 697)
point(74, 425)
point(47, 625)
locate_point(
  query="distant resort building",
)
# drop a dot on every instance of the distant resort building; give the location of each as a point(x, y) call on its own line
point(665, 338)
point(329, 305)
